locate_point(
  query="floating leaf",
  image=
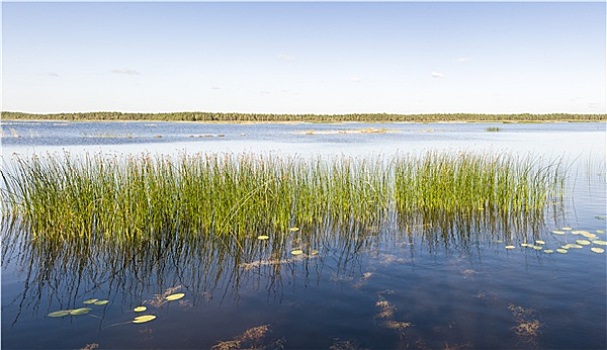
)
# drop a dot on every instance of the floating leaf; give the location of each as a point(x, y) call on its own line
point(558, 232)
point(101, 302)
point(589, 235)
point(140, 309)
point(524, 245)
point(566, 228)
point(599, 242)
point(175, 296)
point(293, 229)
point(297, 252)
point(314, 252)
point(540, 242)
point(537, 247)
point(263, 237)
point(597, 250)
point(582, 242)
point(144, 318)
point(59, 313)
point(577, 232)
point(80, 311)
point(548, 251)
point(89, 301)
point(509, 247)
point(600, 231)
point(562, 251)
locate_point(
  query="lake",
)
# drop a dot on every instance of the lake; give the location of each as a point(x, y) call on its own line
point(389, 285)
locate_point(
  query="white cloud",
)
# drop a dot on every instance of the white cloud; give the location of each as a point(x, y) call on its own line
point(125, 71)
point(286, 57)
point(53, 74)
point(355, 79)
point(437, 75)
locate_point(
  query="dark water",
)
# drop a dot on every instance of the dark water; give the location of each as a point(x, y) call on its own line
point(386, 286)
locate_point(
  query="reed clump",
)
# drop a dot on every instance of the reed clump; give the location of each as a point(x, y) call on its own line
point(157, 199)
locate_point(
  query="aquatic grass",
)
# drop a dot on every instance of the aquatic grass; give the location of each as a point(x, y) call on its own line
point(166, 200)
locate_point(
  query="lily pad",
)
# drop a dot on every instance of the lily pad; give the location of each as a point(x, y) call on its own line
point(101, 302)
point(175, 296)
point(600, 231)
point(566, 228)
point(599, 242)
point(583, 242)
point(263, 237)
point(80, 311)
point(597, 250)
point(540, 242)
point(589, 235)
point(524, 245)
point(509, 247)
point(144, 318)
point(562, 251)
point(297, 252)
point(548, 251)
point(59, 313)
point(89, 301)
point(140, 309)
point(558, 232)
point(293, 229)
point(537, 247)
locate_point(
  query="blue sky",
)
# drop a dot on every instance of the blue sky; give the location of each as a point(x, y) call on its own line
point(395, 57)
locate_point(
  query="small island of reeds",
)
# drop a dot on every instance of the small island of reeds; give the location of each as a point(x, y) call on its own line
point(101, 198)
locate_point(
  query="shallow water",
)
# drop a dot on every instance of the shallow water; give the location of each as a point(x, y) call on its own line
point(385, 286)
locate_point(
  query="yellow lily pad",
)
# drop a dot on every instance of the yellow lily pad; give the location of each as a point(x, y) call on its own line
point(263, 237)
point(583, 242)
point(597, 250)
point(140, 309)
point(101, 302)
point(540, 242)
point(293, 229)
point(89, 301)
point(600, 231)
point(509, 247)
point(59, 313)
point(537, 247)
point(144, 318)
point(297, 252)
point(175, 296)
point(562, 251)
point(524, 245)
point(548, 251)
point(566, 228)
point(599, 242)
point(80, 311)
point(558, 232)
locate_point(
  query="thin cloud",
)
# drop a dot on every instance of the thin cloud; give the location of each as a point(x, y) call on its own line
point(286, 57)
point(53, 74)
point(462, 59)
point(437, 75)
point(125, 71)
point(355, 80)
point(215, 88)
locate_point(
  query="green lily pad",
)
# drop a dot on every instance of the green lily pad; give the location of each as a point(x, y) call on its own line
point(140, 309)
point(89, 301)
point(548, 251)
point(597, 250)
point(101, 302)
point(583, 242)
point(509, 247)
point(175, 296)
point(144, 318)
point(599, 242)
point(80, 311)
point(263, 237)
point(562, 251)
point(59, 313)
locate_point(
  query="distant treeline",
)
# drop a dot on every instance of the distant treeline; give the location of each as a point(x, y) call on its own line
point(320, 118)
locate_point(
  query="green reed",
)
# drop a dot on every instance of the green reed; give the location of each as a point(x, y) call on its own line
point(160, 199)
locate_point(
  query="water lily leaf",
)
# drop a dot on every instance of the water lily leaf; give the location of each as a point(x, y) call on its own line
point(144, 318)
point(140, 309)
point(89, 301)
point(548, 251)
point(562, 251)
point(101, 302)
point(589, 235)
point(599, 242)
point(540, 242)
point(509, 247)
point(524, 244)
point(566, 228)
point(600, 231)
point(263, 237)
point(314, 252)
point(59, 313)
point(577, 232)
point(537, 247)
point(80, 311)
point(558, 232)
point(293, 229)
point(297, 252)
point(582, 242)
point(175, 296)
point(597, 250)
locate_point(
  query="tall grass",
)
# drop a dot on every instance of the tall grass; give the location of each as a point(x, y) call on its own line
point(93, 199)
